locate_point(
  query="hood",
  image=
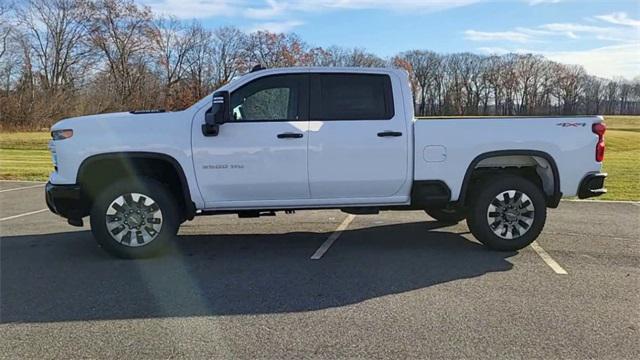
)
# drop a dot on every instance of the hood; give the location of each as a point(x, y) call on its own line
point(131, 121)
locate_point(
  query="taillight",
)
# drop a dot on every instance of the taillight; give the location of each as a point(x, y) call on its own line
point(599, 129)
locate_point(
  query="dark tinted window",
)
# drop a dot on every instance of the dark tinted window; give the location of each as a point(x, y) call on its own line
point(351, 97)
point(268, 98)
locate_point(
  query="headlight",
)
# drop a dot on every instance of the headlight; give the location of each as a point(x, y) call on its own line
point(61, 134)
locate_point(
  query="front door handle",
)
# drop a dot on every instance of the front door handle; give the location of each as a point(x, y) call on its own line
point(389, 133)
point(289, 135)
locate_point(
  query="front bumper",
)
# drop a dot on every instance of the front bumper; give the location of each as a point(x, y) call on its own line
point(592, 185)
point(66, 200)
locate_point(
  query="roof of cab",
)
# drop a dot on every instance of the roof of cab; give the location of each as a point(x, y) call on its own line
point(401, 73)
point(333, 69)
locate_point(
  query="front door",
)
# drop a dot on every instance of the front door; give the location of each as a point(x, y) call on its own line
point(261, 154)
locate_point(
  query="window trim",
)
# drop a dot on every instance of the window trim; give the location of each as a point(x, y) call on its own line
point(303, 99)
point(388, 95)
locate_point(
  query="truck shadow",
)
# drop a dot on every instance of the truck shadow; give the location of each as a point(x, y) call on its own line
point(65, 277)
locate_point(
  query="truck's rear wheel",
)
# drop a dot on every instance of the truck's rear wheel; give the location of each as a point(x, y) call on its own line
point(134, 218)
point(448, 215)
point(507, 213)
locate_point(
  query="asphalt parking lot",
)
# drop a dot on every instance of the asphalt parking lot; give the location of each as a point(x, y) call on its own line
point(394, 285)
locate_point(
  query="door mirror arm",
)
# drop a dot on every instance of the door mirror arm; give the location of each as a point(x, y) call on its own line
point(217, 115)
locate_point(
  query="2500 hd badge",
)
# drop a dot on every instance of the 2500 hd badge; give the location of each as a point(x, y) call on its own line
point(223, 166)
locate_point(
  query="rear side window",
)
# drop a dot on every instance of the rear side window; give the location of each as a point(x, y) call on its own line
point(351, 97)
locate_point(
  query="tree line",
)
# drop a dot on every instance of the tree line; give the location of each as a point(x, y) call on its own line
point(62, 58)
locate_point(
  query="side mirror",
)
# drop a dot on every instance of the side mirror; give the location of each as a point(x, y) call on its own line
point(218, 115)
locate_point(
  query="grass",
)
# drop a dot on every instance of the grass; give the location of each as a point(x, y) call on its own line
point(24, 156)
point(622, 158)
point(623, 123)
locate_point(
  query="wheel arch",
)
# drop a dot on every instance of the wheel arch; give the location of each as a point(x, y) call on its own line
point(552, 192)
point(135, 163)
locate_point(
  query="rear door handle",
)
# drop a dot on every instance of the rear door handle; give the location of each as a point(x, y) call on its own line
point(389, 133)
point(289, 135)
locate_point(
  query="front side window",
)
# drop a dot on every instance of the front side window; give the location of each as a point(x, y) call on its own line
point(271, 98)
point(351, 97)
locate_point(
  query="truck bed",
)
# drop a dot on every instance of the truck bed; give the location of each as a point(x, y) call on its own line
point(445, 147)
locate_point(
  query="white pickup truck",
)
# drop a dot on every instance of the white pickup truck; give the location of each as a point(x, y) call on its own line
point(316, 138)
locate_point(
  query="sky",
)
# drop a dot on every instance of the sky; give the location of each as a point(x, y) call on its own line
point(601, 35)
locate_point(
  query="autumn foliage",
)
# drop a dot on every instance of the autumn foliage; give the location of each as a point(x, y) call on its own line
point(63, 58)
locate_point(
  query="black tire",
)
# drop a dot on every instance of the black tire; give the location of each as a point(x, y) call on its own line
point(488, 215)
point(448, 216)
point(160, 234)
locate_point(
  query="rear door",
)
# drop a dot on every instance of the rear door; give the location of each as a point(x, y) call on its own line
point(358, 138)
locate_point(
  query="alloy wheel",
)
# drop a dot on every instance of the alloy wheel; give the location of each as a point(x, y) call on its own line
point(134, 219)
point(510, 214)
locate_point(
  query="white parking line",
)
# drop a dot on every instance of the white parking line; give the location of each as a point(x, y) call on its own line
point(548, 259)
point(332, 238)
point(25, 214)
point(603, 201)
point(21, 188)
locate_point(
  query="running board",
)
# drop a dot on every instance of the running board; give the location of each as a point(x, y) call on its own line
point(254, 214)
point(361, 210)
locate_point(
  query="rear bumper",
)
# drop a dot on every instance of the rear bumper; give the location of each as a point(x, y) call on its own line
point(66, 200)
point(592, 185)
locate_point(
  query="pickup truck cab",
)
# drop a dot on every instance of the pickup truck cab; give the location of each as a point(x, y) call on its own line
point(309, 138)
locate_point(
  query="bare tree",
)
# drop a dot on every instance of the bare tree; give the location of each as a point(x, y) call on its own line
point(56, 30)
point(594, 94)
point(611, 97)
point(119, 29)
point(569, 86)
point(275, 50)
point(199, 63)
point(7, 64)
point(338, 56)
point(321, 57)
point(528, 68)
point(635, 92)
point(473, 72)
point(5, 29)
point(625, 94)
point(422, 66)
point(172, 42)
point(227, 53)
point(361, 58)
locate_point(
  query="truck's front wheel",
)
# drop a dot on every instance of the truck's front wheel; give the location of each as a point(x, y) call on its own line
point(134, 218)
point(507, 213)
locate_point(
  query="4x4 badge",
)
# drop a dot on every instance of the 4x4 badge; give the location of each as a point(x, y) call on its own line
point(568, 124)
